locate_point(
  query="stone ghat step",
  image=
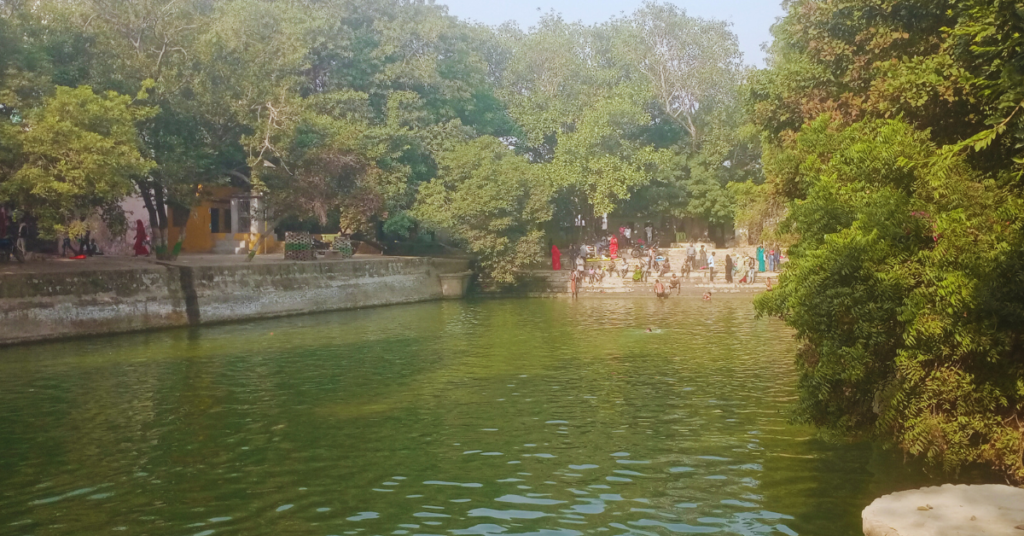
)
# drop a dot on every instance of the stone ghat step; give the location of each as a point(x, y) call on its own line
point(986, 510)
point(696, 278)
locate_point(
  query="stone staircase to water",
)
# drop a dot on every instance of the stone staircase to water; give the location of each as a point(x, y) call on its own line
point(551, 282)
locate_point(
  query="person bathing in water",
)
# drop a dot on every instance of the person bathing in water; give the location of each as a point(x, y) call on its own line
point(659, 289)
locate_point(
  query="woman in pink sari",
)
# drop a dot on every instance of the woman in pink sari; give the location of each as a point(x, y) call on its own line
point(613, 247)
point(140, 240)
point(556, 258)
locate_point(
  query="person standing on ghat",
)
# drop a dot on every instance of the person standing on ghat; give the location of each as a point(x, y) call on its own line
point(711, 267)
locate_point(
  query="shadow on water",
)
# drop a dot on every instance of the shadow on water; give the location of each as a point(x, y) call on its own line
point(545, 417)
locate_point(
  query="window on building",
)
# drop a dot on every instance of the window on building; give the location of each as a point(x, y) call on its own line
point(244, 218)
point(214, 220)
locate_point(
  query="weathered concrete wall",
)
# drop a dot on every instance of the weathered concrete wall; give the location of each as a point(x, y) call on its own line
point(46, 306)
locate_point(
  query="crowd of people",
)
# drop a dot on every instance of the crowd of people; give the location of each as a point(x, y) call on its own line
point(653, 265)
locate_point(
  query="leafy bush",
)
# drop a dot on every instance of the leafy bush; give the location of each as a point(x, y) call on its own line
point(906, 288)
point(492, 201)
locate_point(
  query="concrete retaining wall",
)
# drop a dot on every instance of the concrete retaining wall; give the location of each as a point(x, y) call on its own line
point(43, 306)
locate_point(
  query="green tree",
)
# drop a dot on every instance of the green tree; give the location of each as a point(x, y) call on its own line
point(692, 65)
point(78, 152)
point(492, 201)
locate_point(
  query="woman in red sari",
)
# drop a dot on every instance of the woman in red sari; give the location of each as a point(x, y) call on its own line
point(556, 258)
point(613, 247)
point(140, 239)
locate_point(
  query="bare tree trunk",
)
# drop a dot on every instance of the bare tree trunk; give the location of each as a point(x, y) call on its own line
point(155, 236)
point(162, 252)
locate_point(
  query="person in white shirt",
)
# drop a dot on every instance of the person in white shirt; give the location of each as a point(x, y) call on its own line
point(711, 267)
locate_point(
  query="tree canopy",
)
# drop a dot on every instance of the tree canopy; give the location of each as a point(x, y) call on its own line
point(343, 111)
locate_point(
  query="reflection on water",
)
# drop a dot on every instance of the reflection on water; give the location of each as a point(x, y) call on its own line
point(540, 417)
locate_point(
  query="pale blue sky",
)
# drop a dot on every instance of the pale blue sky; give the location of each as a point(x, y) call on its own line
point(751, 19)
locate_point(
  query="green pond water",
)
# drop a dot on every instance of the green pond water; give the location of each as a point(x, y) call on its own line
point(543, 417)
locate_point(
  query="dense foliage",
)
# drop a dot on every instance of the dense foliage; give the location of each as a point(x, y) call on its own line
point(892, 161)
point(80, 154)
point(490, 199)
point(341, 111)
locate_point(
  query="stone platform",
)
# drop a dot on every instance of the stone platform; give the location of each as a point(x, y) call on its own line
point(987, 510)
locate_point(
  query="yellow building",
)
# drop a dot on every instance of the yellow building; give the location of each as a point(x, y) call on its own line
point(226, 221)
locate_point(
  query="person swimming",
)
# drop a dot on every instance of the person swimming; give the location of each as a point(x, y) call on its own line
point(707, 296)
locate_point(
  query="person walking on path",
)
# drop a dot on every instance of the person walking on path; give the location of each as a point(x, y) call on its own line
point(628, 233)
point(728, 269)
point(760, 258)
point(711, 267)
point(140, 240)
point(691, 255)
point(556, 258)
point(649, 230)
point(778, 260)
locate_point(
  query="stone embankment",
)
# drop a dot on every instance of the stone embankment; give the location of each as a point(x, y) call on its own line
point(43, 301)
point(987, 510)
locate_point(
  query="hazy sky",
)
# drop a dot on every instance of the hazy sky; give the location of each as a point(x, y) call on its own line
point(751, 19)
